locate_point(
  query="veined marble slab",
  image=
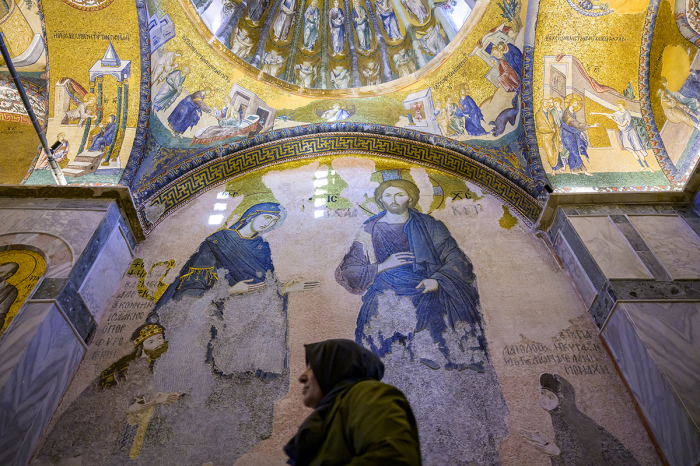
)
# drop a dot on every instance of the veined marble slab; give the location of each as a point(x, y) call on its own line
point(670, 423)
point(573, 266)
point(103, 279)
point(671, 332)
point(18, 335)
point(609, 248)
point(673, 242)
point(75, 227)
point(34, 387)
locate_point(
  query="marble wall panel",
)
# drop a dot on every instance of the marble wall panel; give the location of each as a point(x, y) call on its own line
point(54, 203)
point(609, 248)
point(12, 220)
point(671, 333)
point(18, 334)
point(75, 226)
point(578, 275)
point(29, 396)
point(672, 427)
point(103, 278)
point(675, 245)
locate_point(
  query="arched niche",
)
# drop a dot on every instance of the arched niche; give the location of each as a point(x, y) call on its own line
point(52, 256)
point(189, 186)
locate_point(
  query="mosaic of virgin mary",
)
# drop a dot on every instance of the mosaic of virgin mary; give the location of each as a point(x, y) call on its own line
point(240, 255)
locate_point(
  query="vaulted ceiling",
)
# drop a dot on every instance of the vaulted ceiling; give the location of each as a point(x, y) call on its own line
point(171, 97)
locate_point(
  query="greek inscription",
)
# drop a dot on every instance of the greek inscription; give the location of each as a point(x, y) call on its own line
point(467, 210)
point(191, 46)
point(94, 36)
point(333, 213)
point(563, 38)
point(576, 351)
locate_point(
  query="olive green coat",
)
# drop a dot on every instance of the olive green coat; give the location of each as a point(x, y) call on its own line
point(370, 424)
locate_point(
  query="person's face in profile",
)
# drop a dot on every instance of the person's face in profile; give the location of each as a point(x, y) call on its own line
point(548, 399)
point(395, 200)
point(311, 391)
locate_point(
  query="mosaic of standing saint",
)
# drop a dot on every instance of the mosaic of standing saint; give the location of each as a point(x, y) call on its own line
point(390, 41)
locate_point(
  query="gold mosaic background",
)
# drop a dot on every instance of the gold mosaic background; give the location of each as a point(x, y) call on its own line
point(612, 64)
point(73, 57)
point(31, 267)
point(665, 35)
point(473, 69)
point(19, 143)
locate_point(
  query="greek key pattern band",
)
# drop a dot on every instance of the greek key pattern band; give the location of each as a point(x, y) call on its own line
point(236, 164)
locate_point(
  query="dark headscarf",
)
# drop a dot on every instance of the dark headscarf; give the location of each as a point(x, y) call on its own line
point(337, 365)
point(562, 388)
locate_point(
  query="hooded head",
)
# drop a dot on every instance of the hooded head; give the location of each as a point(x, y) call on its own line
point(556, 393)
point(269, 208)
point(336, 366)
point(336, 361)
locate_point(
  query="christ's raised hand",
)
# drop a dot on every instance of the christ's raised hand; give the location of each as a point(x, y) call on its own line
point(396, 260)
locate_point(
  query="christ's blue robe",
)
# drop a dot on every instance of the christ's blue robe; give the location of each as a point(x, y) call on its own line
point(575, 143)
point(437, 256)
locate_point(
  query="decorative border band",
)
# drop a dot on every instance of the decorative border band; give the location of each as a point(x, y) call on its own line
point(497, 158)
point(657, 144)
point(530, 147)
point(238, 163)
point(137, 150)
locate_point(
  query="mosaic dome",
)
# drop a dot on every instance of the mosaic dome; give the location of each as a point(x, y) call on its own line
point(334, 44)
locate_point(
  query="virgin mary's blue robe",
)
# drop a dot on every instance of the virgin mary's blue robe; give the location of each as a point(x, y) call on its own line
point(243, 259)
point(437, 256)
point(103, 138)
